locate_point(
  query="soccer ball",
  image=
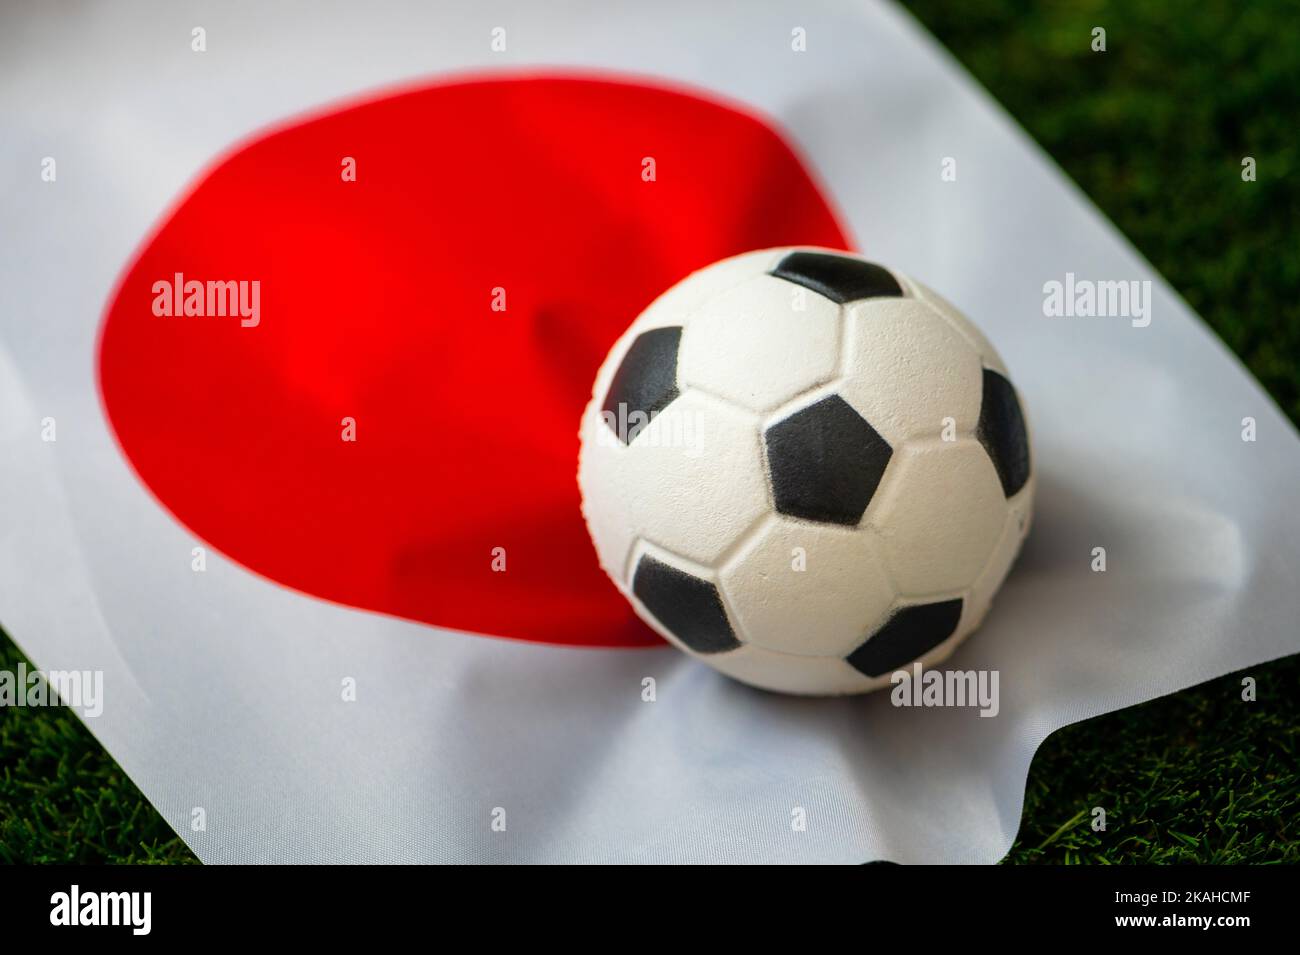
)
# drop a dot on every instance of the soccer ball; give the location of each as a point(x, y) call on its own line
point(806, 470)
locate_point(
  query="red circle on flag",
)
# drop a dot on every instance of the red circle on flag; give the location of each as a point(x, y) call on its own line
point(374, 311)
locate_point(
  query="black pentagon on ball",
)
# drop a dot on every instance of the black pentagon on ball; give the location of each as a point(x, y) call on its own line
point(1001, 430)
point(841, 278)
point(646, 382)
point(910, 633)
point(688, 607)
point(825, 462)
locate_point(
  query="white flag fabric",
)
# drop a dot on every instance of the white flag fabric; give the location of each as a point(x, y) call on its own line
point(222, 689)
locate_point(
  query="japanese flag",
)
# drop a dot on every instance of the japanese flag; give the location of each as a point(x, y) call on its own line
point(302, 304)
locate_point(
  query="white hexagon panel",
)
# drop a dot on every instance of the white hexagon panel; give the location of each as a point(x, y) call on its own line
point(939, 513)
point(902, 347)
point(761, 343)
point(690, 479)
point(808, 589)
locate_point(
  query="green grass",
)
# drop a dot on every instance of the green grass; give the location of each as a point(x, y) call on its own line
point(1154, 131)
point(64, 799)
point(1200, 776)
